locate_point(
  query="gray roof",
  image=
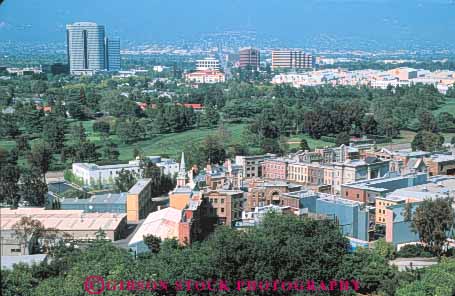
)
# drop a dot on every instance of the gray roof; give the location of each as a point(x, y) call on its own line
point(108, 198)
point(139, 186)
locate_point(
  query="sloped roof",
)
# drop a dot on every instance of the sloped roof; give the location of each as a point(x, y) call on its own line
point(163, 224)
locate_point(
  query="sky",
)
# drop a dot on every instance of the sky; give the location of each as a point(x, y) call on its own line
point(291, 20)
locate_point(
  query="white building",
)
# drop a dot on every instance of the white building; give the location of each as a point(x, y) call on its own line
point(92, 174)
point(207, 76)
point(207, 64)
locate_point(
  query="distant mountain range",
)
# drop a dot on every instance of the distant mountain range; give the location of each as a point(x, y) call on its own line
point(343, 23)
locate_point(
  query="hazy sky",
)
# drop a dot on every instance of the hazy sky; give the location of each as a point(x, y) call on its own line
point(150, 20)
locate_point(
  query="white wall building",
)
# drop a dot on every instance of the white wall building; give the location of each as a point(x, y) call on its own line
point(207, 64)
point(93, 174)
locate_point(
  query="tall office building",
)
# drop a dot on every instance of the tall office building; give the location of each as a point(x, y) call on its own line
point(250, 57)
point(292, 59)
point(112, 54)
point(89, 50)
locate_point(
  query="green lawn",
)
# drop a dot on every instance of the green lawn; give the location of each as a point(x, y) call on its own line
point(294, 142)
point(449, 107)
point(173, 144)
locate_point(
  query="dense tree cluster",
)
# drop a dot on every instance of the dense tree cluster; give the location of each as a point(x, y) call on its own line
point(282, 247)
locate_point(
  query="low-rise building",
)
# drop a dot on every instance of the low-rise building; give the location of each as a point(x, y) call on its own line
point(367, 191)
point(206, 76)
point(226, 205)
point(440, 164)
point(74, 223)
point(91, 174)
point(252, 165)
point(99, 203)
point(263, 193)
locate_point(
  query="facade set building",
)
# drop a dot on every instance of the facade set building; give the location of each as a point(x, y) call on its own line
point(92, 174)
point(89, 50)
point(75, 224)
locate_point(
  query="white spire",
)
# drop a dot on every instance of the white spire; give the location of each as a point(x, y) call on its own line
point(182, 163)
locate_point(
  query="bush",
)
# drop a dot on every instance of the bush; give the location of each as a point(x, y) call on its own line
point(410, 251)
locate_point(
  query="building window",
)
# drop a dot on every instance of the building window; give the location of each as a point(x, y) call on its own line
point(222, 200)
point(222, 210)
point(15, 250)
point(358, 196)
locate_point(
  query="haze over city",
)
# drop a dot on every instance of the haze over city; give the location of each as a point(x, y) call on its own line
point(378, 23)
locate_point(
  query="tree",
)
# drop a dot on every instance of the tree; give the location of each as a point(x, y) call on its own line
point(39, 159)
point(78, 133)
point(438, 280)
point(54, 132)
point(427, 141)
point(372, 271)
point(33, 189)
point(369, 125)
point(342, 138)
point(384, 249)
point(9, 177)
point(304, 145)
point(153, 243)
point(102, 127)
point(124, 181)
point(432, 220)
point(22, 144)
point(427, 121)
point(28, 230)
point(110, 151)
point(452, 141)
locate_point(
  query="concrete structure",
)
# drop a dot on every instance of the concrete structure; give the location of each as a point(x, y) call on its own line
point(139, 200)
point(227, 205)
point(208, 64)
point(74, 223)
point(252, 165)
point(91, 174)
point(206, 76)
point(100, 203)
point(292, 59)
point(249, 58)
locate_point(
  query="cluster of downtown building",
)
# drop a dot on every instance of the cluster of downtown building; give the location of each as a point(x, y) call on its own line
point(90, 50)
point(357, 186)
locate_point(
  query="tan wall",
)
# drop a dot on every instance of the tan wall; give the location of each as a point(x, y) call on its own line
point(132, 207)
point(178, 200)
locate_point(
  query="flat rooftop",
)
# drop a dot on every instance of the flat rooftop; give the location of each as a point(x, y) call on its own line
point(139, 186)
point(108, 198)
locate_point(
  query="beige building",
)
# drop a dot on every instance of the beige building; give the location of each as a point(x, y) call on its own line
point(139, 200)
point(75, 223)
point(382, 202)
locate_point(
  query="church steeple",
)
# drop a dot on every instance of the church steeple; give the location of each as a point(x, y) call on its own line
point(181, 178)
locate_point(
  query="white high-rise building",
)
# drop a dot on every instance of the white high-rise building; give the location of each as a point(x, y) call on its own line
point(89, 50)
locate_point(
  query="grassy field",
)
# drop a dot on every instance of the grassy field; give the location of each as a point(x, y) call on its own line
point(167, 144)
point(449, 107)
point(294, 142)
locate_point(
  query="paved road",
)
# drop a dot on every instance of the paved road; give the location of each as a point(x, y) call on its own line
point(403, 263)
